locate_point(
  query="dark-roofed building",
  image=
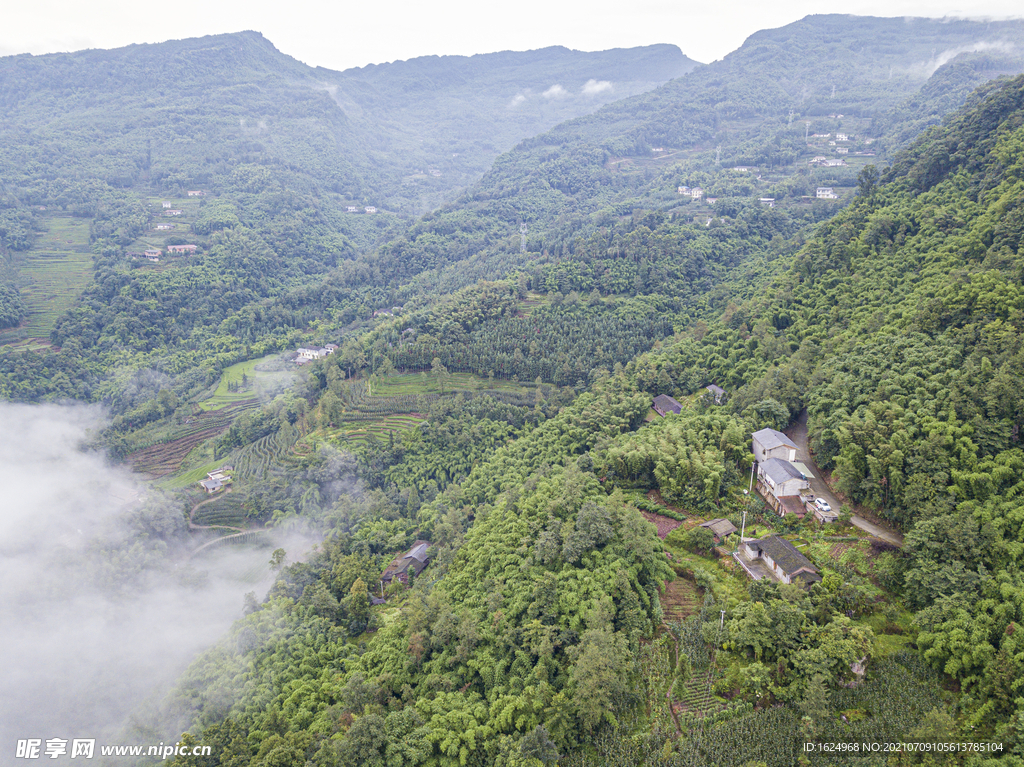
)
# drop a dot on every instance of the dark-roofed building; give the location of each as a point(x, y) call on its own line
point(664, 404)
point(413, 562)
point(720, 527)
point(211, 485)
point(769, 443)
point(782, 558)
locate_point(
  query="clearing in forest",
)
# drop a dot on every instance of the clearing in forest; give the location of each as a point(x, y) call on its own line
point(665, 525)
point(51, 275)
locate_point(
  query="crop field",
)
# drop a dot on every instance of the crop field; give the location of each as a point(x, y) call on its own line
point(264, 377)
point(51, 275)
point(362, 432)
point(680, 599)
point(697, 696)
point(424, 383)
point(225, 510)
point(768, 736)
point(665, 525)
point(166, 457)
point(259, 458)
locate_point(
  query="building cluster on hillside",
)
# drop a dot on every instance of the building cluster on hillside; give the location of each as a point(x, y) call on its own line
point(307, 354)
point(153, 254)
point(217, 480)
point(782, 480)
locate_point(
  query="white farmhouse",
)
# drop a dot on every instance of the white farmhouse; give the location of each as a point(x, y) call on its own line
point(769, 443)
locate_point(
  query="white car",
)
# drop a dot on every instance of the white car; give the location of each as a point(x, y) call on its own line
point(822, 504)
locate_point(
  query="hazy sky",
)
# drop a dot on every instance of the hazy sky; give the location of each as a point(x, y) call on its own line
point(342, 35)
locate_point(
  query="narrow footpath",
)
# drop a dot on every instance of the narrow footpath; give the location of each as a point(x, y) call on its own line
point(798, 433)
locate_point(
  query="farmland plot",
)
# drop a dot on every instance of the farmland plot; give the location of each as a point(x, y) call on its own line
point(51, 275)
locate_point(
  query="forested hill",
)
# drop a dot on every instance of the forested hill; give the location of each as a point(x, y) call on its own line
point(541, 633)
point(774, 108)
point(403, 136)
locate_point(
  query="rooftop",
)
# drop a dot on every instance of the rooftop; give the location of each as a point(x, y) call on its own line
point(778, 470)
point(720, 527)
point(667, 404)
point(769, 438)
point(784, 554)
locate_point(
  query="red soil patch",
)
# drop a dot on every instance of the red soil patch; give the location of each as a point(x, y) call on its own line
point(665, 525)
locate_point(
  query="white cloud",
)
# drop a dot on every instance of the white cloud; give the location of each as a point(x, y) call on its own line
point(556, 91)
point(594, 87)
point(102, 609)
point(518, 99)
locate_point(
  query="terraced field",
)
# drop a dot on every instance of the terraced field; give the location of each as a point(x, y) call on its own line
point(420, 384)
point(532, 302)
point(261, 378)
point(225, 510)
point(361, 432)
point(51, 275)
point(260, 458)
point(164, 458)
point(680, 599)
point(697, 696)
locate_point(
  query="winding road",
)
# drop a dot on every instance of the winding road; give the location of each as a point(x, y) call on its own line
point(798, 433)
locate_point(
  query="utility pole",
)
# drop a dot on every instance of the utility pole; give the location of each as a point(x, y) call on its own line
point(522, 238)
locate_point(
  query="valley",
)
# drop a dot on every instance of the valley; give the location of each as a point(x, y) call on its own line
point(467, 380)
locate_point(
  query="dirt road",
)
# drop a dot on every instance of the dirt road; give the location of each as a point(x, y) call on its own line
point(798, 433)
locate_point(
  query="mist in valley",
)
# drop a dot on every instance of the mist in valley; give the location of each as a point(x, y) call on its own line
point(101, 606)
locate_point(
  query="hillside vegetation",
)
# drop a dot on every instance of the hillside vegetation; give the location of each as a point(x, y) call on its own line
point(495, 366)
point(534, 636)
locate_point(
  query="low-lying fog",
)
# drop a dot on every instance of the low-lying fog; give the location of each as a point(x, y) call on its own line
point(100, 607)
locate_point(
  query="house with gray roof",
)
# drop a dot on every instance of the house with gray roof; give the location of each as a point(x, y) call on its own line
point(211, 485)
point(769, 443)
point(782, 558)
point(781, 477)
point(664, 404)
point(413, 562)
point(783, 486)
point(720, 528)
point(717, 393)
